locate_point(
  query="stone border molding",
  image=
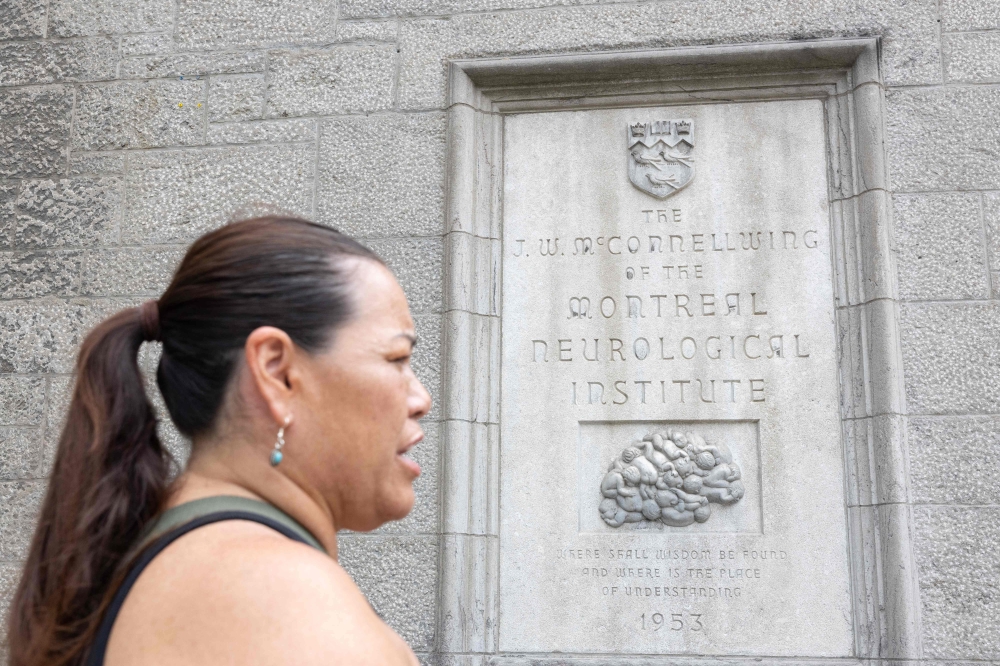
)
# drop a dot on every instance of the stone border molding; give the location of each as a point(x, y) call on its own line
point(846, 75)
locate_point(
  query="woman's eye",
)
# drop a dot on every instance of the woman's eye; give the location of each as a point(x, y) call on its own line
point(402, 359)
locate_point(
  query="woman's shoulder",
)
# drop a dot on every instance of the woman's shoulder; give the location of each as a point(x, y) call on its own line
point(240, 592)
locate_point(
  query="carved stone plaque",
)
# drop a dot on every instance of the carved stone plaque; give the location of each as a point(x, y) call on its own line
point(671, 468)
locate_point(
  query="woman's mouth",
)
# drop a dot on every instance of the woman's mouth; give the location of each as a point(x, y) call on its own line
point(408, 462)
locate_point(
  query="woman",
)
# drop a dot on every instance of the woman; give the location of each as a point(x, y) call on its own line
point(286, 350)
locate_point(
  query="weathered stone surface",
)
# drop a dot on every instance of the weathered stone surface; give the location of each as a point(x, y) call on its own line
point(959, 565)
point(130, 271)
point(34, 130)
point(8, 193)
point(22, 400)
point(146, 44)
point(20, 502)
point(191, 65)
point(215, 24)
point(20, 452)
point(54, 62)
point(110, 163)
point(971, 57)
point(423, 519)
point(175, 196)
point(389, 184)
point(367, 31)
point(235, 98)
point(68, 18)
point(943, 138)
point(991, 215)
point(38, 273)
point(954, 459)
point(417, 263)
point(335, 80)
point(159, 113)
point(69, 212)
point(398, 574)
point(427, 358)
point(22, 19)
point(949, 357)
point(909, 47)
point(294, 130)
point(940, 254)
point(45, 335)
point(60, 392)
point(969, 15)
point(10, 575)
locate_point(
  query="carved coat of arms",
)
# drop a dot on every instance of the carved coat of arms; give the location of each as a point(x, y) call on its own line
point(660, 156)
point(669, 477)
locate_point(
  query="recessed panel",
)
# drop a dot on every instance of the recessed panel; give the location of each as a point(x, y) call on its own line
point(671, 468)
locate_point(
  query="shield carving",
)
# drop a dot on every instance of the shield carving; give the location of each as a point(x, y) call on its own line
point(660, 156)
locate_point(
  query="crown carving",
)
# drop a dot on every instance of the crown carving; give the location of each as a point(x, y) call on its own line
point(638, 129)
point(683, 127)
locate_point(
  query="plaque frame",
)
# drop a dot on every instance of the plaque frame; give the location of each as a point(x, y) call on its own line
point(846, 75)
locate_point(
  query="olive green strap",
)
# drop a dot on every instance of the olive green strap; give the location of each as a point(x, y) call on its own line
point(185, 513)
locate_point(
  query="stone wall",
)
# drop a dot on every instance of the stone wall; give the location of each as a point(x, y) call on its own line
point(129, 127)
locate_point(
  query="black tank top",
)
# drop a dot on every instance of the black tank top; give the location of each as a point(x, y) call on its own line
point(175, 523)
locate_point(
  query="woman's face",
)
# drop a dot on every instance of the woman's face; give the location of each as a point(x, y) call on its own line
point(360, 407)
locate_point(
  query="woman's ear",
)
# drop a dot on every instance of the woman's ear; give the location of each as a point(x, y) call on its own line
point(270, 358)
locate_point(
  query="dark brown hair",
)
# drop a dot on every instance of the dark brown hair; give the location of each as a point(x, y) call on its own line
point(111, 472)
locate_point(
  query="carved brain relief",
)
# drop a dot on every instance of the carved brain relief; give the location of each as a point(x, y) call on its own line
point(669, 477)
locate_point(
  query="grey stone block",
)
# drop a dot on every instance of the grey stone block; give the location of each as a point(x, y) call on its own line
point(111, 163)
point(943, 138)
point(60, 392)
point(959, 575)
point(955, 459)
point(131, 271)
point(20, 502)
point(909, 48)
point(335, 80)
point(427, 357)
point(22, 19)
point(68, 18)
point(54, 62)
point(383, 175)
point(38, 273)
point(264, 131)
point(69, 212)
point(969, 15)
point(159, 113)
point(423, 519)
point(991, 216)
point(217, 24)
point(971, 57)
point(946, 365)
point(145, 44)
point(191, 65)
point(417, 263)
point(367, 31)
point(399, 576)
point(175, 196)
point(235, 98)
point(8, 194)
point(22, 400)
point(20, 452)
point(10, 576)
point(938, 240)
point(34, 130)
point(45, 335)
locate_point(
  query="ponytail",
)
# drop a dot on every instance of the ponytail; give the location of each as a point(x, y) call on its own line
point(109, 479)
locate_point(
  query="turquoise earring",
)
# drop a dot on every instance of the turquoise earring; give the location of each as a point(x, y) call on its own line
point(277, 455)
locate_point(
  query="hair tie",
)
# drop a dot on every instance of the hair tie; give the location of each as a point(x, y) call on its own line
point(149, 320)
